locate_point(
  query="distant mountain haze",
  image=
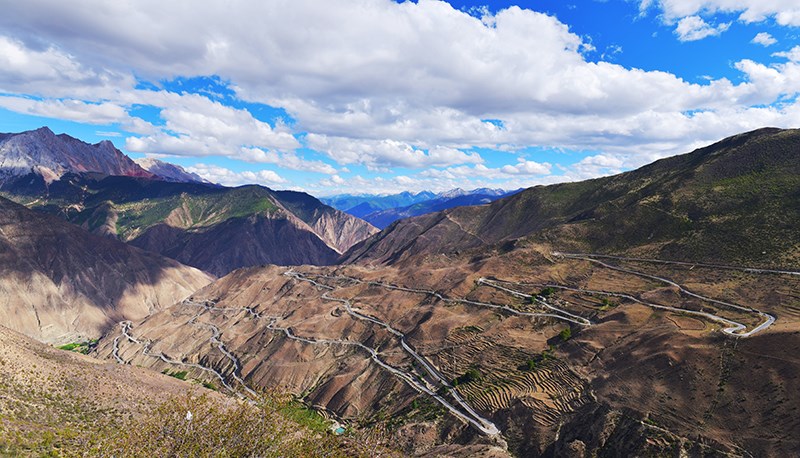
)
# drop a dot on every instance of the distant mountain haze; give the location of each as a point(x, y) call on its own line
point(443, 201)
point(382, 210)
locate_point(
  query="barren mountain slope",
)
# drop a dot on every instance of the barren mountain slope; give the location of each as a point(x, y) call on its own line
point(337, 228)
point(50, 395)
point(59, 283)
point(59, 403)
point(169, 172)
point(637, 380)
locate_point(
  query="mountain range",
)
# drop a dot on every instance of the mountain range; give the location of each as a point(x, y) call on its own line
point(169, 172)
point(733, 201)
point(49, 155)
point(171, 212)
point(580, 319)
point(381, 211)
point(649, 313)
point(361, 205)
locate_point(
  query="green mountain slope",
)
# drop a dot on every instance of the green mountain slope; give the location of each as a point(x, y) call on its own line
point(214, 228)
point(735, 201)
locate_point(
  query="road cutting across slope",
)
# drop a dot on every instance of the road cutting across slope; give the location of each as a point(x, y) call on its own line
point(560, 315)
point(734, 329)
point(752, 270)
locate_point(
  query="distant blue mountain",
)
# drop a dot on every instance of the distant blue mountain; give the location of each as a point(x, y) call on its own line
point(383, 217)
point(360, 205)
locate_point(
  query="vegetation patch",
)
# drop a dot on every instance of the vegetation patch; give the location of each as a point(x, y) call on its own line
point(607, 304)
point(80, 347)
point(547, 292)
point(180, 375)
point(471, 375)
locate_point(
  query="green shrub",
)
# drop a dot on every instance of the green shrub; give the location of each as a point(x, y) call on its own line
point(547, 292)
point(471, 375)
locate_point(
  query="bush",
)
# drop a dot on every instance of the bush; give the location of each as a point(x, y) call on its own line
point(547, 292)
point(472, 375)
point(565, 334)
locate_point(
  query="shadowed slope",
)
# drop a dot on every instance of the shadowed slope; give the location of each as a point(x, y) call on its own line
point(59, 282)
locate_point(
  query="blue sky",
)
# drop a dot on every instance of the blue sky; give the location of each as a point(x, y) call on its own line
point(384, 96)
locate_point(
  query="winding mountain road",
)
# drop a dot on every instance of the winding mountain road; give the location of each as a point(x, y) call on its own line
point(734, 329)
point(435, 381)
point(484, 426)
point(126, 326)
point(478, 421)
point(570, 317)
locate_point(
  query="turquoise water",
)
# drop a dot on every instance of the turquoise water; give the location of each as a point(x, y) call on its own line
point(339, 431)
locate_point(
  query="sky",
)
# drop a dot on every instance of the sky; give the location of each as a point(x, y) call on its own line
point(379, 96)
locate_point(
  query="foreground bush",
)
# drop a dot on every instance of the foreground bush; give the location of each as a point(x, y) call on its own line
point(271, 427)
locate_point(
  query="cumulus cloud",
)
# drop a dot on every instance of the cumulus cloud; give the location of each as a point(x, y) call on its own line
point(198, 126)
point(50, 72)
point(792, 55)
point(384, 84)
point(227, 177)
point(72, 110)
point(524, 167)
point(286, 160)
point(785, 12)
point(693, 28)
point(764, 39)
point(387, 153)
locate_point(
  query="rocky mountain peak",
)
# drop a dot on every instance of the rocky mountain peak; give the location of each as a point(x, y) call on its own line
point(169, 172)
point(41, 149)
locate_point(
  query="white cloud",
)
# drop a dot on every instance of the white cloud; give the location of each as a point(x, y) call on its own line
point(384, 84)
point(463, 172)
point(764, 39)
point(286, 160)
point(785, 12)
point(524, 167)
point(387, 153)
point(227, 177)
point(198, 126)
point(693, 28)
point(792, 55)
point(50, 72)
point(72, 110)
